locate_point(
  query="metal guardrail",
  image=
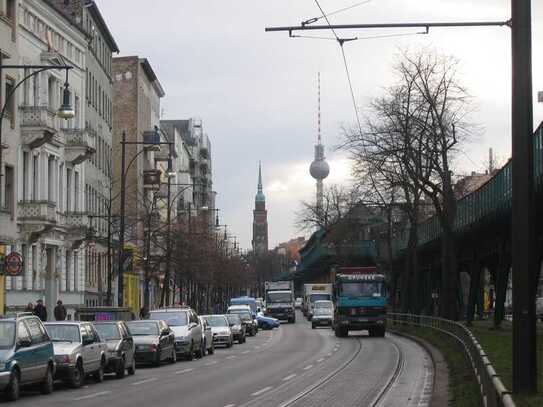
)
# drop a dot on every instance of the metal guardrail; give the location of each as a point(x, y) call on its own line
point(493, 392)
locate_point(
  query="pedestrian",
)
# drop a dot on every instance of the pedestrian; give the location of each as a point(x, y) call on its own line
point(60, 311)
point(40, 310)
point(29, 307)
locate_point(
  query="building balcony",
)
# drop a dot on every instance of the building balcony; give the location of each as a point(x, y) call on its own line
point(77, 220)
point(37, 126)
point(41, 212)
point(79, 145)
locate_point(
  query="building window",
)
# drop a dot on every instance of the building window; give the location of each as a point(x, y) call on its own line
point(10, 9)
point(25, 175)
point(9, 190)
point(51, 88)
point(10, 101)
point(35, 177)
point(76, 191)
point(68, 189)
point(51, 179)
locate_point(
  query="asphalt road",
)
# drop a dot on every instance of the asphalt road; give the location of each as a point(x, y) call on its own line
point(290, 366)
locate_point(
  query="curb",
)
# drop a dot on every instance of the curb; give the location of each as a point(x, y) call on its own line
point(440, 392)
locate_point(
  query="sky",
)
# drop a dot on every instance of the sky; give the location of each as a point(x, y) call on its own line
point(256, 92)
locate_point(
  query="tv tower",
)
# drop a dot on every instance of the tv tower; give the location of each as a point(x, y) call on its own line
point(319, 168)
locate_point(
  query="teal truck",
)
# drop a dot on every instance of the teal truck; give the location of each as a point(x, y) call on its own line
point(360, 300)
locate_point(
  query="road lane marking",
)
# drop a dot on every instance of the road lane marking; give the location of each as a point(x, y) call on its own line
point(259, 392)
point(290, 376)
point(320, 360)
point(245, 352)
point(308, 367)
point(184, 371)
point(211, 363)
point(231, 357)
point(90, 396)
point(151, 379)
point(329, 354)
point(230, 405)
point(257, 347)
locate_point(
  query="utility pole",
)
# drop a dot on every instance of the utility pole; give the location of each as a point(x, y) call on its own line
point(523, 203)
point(120, 271)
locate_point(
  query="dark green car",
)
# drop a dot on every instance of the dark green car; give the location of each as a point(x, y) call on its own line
point(26, 355)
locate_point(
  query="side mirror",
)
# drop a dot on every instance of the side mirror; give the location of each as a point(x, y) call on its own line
point(165, 332)
point(258, 309)
point(24, 342)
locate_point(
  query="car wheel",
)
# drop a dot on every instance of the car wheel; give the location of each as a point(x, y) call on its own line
point(158, 357)
point(13, 390)
point(204, 352)
point(212, 349)
point(99, 374)
point(77, 375)
point(313, 326)
point(132, 369)
point(190, 354)
point(200, 353)
point(173, 358)
point(47, 383)
point(121, 368)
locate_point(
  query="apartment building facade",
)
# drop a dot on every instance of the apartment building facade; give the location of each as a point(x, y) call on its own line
point(44, 162)
point(99, 123)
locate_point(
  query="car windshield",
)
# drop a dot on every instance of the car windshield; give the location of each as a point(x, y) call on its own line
point(275, 297)
point(143, 328)
point(216, 321)
point(319, 297)
point(63, 333)
point(243, 314)
point(233, 319)
point(323, 311)
point(108, 332)
point(323, 304)
point(7, 334)
point(361, 289)
point(171, 318)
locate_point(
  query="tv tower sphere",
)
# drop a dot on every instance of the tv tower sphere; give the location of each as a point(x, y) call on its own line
point(319, 169)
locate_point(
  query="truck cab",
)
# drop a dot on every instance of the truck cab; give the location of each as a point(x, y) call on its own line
point(360, 301)
point(280, 300)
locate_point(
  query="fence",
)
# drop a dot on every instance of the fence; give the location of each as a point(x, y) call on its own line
point(493, 392)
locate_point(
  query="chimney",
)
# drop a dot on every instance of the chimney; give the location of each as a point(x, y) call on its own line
point(490, 160)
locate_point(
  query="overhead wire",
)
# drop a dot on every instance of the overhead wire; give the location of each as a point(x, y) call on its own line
point(315, 19)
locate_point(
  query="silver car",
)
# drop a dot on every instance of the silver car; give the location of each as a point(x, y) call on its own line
point(79, 351)
point(222, 334)
point(187, 329)
point(323, 313)
point(120, 347)
point(207, 336)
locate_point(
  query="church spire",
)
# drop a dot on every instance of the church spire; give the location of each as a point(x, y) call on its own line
point(260, 193)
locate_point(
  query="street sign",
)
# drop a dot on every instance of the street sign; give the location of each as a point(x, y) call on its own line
point(13, 264)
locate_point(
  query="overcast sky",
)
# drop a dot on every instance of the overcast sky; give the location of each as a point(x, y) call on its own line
point(256, 91)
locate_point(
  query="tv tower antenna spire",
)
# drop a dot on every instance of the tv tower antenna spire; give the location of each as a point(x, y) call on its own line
point(319, 168)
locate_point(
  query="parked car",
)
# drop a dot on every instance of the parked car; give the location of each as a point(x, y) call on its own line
point(244, 312)
point(237, 327)
point(154, 341)
point(209, 346)
point(79, 351)
point(187, 329)
point(27, 356)
point(323, 313)
point(120, 347)
point(222, 334)
point(265, 322)
point(298, 303)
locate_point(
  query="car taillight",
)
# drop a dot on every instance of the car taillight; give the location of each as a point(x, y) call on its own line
point(152, 347)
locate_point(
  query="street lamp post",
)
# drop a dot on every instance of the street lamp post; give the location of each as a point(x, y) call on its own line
point(65, 111)
point(124, 170)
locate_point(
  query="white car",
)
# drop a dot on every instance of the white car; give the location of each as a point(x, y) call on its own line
point(222, 334)
point(298, 303)
point(207, 335)
point(187, 329)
